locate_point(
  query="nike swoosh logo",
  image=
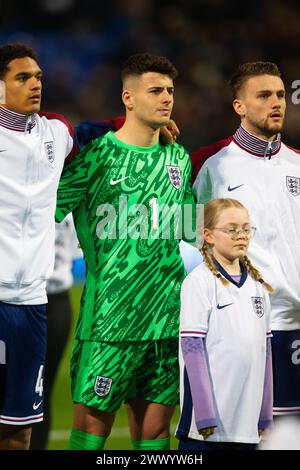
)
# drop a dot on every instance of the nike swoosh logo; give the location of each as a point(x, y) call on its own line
point(112, 182)
point(219, 307)
point(35, 406)
point(2, 150)
point(234, 187)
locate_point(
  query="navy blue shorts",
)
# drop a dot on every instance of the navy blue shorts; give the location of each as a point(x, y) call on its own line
point(195, 444)
point(286, 372)
point(22, 358)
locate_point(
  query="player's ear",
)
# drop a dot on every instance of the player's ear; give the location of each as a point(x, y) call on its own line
point(239, 107)
point(127, 99)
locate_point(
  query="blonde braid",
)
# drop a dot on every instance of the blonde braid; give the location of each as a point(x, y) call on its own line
point(211, 265)
point(255, 274)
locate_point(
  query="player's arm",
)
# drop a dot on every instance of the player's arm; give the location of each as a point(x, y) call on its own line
point(72, 185)
point(194, 356)
point(169, 133)
point(194, 320)
point(87, 131)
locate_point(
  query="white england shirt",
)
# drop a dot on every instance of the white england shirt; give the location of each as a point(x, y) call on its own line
point(32, 154)
point(235, 321)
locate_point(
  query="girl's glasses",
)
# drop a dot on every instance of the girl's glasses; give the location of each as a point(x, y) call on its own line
point(234, 233)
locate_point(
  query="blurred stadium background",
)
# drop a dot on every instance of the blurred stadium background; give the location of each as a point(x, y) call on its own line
point(81, 46)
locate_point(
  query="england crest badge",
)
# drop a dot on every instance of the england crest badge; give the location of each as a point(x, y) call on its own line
point(174, 175)
point(293, 185)
point(102, 385)
point(49, 149)
point(258, 306)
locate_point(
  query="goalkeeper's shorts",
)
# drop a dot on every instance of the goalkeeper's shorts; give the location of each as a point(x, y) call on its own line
point(106, 374)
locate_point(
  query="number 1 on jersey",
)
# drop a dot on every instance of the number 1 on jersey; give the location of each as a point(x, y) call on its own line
point(153, 203)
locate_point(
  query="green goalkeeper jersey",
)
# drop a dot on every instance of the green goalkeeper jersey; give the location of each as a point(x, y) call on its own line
point(128, 205)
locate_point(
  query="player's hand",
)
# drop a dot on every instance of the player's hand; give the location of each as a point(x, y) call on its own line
point(169, 133)
point(206, 432)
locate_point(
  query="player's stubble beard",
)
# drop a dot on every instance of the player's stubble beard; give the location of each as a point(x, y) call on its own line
point(268, 130)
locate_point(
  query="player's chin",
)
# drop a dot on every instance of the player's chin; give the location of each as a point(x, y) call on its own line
point(276, 126)
point(163, 120)
point(34, 108)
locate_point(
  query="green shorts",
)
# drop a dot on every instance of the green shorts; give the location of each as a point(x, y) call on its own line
point(106, 374)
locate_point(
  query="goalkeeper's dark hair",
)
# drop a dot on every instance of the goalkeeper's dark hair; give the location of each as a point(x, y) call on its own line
point(138, 64)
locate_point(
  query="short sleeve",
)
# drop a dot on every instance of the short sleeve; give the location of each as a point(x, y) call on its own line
point(195, 306)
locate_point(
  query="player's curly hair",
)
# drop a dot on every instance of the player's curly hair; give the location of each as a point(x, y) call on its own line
point(251, 69)
point(9, 52)
point(212, 210)
point(137, 64)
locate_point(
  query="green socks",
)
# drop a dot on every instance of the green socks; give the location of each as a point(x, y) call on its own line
point(155, 444)
point(80, 440)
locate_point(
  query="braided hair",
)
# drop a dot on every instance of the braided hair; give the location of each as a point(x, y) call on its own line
point(210, 263)
point(256, 274)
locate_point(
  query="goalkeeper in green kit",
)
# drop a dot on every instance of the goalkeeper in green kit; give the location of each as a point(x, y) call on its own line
point(129, 194)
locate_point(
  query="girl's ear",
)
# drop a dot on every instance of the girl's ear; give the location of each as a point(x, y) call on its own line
point(208, 236)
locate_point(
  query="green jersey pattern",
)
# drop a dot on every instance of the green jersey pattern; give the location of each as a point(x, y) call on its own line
point(134, 275)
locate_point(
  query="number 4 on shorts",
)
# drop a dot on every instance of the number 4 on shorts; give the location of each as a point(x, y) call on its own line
point(39, 382)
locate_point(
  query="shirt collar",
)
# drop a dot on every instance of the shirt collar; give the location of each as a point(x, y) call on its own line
point(244, 273)
point(252, 144)
point(15, 121)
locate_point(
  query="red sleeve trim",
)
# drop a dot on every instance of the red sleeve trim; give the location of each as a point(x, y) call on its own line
point(61, 118)
point(291, 148)
point(199, 157)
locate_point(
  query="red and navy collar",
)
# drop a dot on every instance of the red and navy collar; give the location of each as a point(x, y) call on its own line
point(256, 146)
point(15, 121)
